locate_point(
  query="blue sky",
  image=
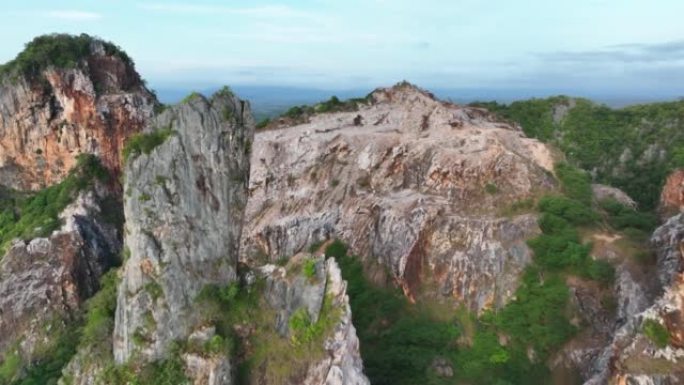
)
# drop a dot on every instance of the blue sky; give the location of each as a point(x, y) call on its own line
point(582, 46)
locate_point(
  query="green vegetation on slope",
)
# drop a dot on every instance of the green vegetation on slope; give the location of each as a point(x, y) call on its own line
point(399, 340)
point(58, 50)
point(36, 215)
point(631, 148)
point(264, 354)
point(66, 336)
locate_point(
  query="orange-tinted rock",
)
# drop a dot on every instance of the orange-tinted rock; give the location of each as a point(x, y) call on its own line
point(47, 121)
point(672, 196)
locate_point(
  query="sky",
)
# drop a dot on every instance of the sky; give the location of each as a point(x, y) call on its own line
point(611, 47)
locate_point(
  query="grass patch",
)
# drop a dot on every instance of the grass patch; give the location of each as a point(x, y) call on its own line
point(309, 268)
point(144, 143)
point(656, 332)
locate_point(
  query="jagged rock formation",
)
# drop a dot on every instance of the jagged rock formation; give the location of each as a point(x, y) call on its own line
point(48, 279)
point(632, 356)
point(184, 204)
point(419, 185)
point(48, 119)
point(340, 361)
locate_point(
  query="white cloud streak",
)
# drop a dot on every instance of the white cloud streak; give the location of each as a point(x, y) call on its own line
point(267, 11)
point(73, 15)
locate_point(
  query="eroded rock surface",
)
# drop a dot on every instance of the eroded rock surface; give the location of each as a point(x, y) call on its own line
point(47, 280)
point(425, 188)
point(672, 196)
point(184, 203)
point(632, 357)
point(47, 121)
point(341, 362)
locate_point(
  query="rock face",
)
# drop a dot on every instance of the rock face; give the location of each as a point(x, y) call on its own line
point(46, 122)
point(184, 205)
point(672, 196)
point(602, 192)
point(48, 279)
point(632, 357)
point(426, 188)
point(341, 361)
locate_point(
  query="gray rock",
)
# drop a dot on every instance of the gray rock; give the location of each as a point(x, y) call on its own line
point(184, 207)
point(420, 188)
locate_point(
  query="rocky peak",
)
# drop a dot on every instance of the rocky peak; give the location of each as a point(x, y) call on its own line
point(63, 96)
point(184, 203)
point(410, 182)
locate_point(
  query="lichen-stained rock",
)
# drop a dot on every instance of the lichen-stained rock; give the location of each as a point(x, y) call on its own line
point(429, 189)
point(184, 204)
point(46, 121)
point(48, 279)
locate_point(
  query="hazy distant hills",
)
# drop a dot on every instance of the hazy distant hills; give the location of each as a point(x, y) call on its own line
point(272, 100)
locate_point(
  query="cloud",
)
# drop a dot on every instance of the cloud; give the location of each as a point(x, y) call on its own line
point(73, 15)
point(267, 11)
point(624, 53)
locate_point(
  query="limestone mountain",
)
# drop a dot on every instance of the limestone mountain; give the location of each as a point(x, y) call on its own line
point(392, 239)
point(414, 184)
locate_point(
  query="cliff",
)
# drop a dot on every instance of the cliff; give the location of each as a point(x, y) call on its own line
point(64, 96)
point(184, 204)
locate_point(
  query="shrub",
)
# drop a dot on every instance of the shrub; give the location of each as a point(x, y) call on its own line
point(9, 369)
point(99, 320)
point(491, 188)
point(315, 246)
point(576, 183)
point(536, 316)
point(144, 143)
point(573, 211)
point(601, 271)
point(622, 217)
point(656, 333)
point(225, 92)
point(337, 249)
point(263, 123)
point(154, 289)
point(309, 268)
point(46, 367)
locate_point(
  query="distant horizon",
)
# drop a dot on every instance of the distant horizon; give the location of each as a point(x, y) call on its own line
point(585, 47)
point(268, 100)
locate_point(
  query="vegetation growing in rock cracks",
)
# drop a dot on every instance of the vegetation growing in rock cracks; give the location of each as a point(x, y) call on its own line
point(144, 143)
point(27, 216)
point(264, 352)
point(656, 333)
